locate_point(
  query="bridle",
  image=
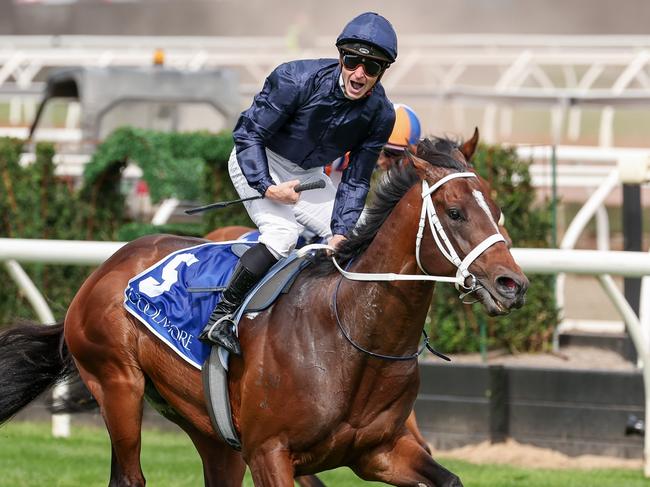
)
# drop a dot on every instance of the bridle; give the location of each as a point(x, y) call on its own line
point(443, 242)
point(445, 246)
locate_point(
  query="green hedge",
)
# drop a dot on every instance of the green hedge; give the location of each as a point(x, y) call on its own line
point(35, 204)
point(133, 230)
point(187, 166)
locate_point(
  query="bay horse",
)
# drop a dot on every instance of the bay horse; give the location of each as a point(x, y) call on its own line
point(346, 345)
point(463, 153)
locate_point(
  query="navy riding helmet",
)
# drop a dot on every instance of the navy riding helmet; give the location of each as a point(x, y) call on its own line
point(370, 35)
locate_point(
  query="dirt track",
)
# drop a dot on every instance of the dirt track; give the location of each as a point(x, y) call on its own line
point(516, 454)
point(569, 358)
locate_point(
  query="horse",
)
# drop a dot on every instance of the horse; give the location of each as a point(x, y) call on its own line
point(346, 344)
point(463, 153)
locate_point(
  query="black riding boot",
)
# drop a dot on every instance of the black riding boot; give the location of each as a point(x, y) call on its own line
point(220, 328)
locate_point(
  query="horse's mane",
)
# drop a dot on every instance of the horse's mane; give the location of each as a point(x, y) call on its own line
point(393, 186)
point(431, 149)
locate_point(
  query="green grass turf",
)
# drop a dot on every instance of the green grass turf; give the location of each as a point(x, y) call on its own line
point(30, 457)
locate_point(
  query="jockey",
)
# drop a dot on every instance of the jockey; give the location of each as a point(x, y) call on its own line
point(406, 132)
point(309, 113)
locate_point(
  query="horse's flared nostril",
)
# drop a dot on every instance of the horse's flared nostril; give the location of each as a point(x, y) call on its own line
point(508, 286)
point(513, 288)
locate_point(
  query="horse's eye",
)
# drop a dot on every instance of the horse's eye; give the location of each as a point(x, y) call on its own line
point(454, 214)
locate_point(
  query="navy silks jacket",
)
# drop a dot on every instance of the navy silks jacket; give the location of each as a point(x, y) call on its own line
point(302, 115)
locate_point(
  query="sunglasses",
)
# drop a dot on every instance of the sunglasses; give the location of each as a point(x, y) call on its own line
point(371, 67)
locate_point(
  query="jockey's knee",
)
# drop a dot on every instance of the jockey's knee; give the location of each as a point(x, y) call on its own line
point(280, 242)
point(258, 259)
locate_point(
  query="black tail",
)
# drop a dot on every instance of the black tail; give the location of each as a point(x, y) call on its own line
point(32, 358)
point(77, 399)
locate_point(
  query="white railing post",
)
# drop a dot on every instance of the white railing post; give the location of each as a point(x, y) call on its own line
point(580, 221)
point(638, 338)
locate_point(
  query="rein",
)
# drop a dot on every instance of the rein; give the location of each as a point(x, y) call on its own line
point(415, 355)
point(445, 246)
point(426, 345)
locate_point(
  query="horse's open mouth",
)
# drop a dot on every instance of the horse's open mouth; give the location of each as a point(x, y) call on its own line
point(500, 299)
point(492, 305)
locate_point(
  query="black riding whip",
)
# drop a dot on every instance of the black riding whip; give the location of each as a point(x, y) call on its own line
point(222, 204)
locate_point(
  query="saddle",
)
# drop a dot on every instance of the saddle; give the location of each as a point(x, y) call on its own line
point(277, 281)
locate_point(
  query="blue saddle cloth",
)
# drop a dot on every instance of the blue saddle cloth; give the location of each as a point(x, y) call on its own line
point(175, 297)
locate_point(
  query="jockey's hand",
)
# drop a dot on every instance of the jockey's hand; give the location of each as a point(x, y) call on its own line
point(283, 192)
point(335, 240)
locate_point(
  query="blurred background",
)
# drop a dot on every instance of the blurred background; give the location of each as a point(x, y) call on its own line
point(532, 58)
point(560, 91)
point(253, 18)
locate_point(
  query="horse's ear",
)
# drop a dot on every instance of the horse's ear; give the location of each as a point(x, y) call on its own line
point(469, 147)
point(418, 164)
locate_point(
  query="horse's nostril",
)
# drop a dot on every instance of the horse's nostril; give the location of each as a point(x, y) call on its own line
point(508, 284)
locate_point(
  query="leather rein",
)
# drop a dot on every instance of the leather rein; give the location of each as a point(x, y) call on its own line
point(445, 246)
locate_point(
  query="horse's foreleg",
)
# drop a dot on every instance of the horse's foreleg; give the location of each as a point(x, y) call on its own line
point(407, 464)
point(412, 425)
point(271, 467)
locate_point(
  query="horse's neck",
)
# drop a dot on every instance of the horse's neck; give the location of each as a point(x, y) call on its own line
point(393, 313)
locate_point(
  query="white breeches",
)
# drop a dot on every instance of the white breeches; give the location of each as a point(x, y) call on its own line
point(280, 224)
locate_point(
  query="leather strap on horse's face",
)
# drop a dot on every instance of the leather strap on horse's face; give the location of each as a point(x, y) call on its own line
point(442, 241)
